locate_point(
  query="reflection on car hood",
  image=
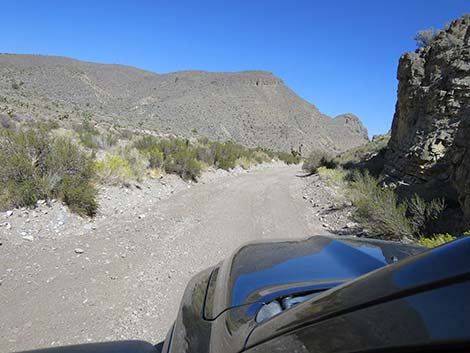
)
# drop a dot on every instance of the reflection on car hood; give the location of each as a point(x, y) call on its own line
point(260, 272)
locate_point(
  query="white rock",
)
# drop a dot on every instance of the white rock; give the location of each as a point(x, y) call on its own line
point(9, 213)
point(8, 226)
point(141, 216)
point(28, 237)
point(41, 202)
point(78, 251)
point(351, 225)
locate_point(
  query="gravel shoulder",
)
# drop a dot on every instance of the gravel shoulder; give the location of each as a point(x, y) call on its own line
point(67, 280)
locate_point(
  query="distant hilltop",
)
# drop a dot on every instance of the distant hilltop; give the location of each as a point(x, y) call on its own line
point(254, 108)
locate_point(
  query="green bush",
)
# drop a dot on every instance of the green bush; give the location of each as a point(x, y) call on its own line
point(114, 169)
point(377, 208)
point(155, 157)
point(183, 162)
point(379, 211)
point(35, 166)
point(436, 240)
point(79, 195)
point(225, 155)
point(174, 155)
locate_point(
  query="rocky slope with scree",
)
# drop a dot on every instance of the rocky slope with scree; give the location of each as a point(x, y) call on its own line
point(254, 108)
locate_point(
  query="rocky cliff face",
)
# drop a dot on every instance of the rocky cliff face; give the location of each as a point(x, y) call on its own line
point(254, 108)
point(430, 139)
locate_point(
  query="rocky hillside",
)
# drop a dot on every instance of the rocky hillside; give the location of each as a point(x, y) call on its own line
point(430, 140)
point(252, 107)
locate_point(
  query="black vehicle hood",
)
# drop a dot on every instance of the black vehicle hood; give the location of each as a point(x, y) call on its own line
point(104, 347)
point(219, 306)
point(257, 273)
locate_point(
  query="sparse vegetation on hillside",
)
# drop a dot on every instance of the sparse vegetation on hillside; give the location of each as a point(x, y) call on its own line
point(42, 160)
point(363, 153)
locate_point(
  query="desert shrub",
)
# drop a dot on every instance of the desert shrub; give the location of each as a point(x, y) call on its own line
point(173, 155)
point(155, 157)
point(436, 240)
point(183, 163)
point(79, 194)
point(384, 216)
point(260, 156)
point(137, 162)
point(421, 213)
point(88, 134)
point(103, 141)
point(126, 134)
point(114, 169)
point(36, 166)
point(206, 154)
point(333, 176)
point(315, 160)
point(245, 162)
point(179, 158)
point(270, 154)
point(226, 154)
point(377, 208)
point(288, 158)
point(145, 143)
point(425, 37)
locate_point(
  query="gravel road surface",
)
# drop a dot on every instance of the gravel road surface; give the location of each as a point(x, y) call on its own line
point(124, 278)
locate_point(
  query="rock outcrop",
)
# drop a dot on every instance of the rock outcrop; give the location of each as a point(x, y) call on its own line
point(254, 108)
point(430, 140)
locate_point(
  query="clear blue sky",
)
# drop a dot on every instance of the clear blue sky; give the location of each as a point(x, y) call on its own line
point(340, 55)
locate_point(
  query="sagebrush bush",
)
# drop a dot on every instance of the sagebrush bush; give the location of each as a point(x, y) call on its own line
point(88, 134)
point(315, 160)
point(377, 208)
point(35, 166)
point(380, 212)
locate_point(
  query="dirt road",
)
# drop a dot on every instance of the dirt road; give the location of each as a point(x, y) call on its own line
point(125, 280)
